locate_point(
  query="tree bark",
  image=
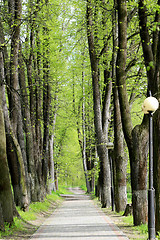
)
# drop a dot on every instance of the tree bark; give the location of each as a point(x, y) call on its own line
point(46, 108)
point(119, 158)
point(33, 75)
point(139, 172)
point(6, 73)
point(32, 174)
point(6, 199)
point(138, 158)
point(105, 181)
point(84, 154)
point(52, 186)
point(151, 53)
point(15, 159)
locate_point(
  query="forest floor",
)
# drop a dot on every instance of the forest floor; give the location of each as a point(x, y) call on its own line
point(30, 227)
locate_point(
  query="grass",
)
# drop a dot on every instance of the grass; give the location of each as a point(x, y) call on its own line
point(83, 187)
point(63, 190)
point(141, 230)
point(129, 197)
point(126, 225)
point(34, 210)
point(16, 226)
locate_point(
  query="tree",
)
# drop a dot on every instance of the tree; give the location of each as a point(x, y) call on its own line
point(15, 151)
point(120, 160)
point(151, 54)
point(6, 198)
point(138, 134)
point(100, 117)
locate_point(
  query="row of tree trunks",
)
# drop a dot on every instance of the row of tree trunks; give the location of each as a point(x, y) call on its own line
point(24, 141)
point(16, 153)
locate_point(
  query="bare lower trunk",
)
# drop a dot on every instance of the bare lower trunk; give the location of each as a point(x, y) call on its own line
point(104, 176)
point(15, 161)
point(120, 160)
point(32, 175)
point(36, 137)
point(51, 179)
point(5, 187)
point(139, 173)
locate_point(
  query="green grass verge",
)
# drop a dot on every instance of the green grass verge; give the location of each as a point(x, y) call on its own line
point(84, 188)
point(34, 209)
point(9, 230)
point(63, 190)
point(141, 230)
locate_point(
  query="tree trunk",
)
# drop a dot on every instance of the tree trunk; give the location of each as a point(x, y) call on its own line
point(84, 155)
point(14, 101)
point(46, 110)
point(136, 138)
point(15, 159)
point(101, 140)
point(35, 113)
point(151, 53)
point(119, 158)
point(5, 187)
point(18, 174)
point(32, 174)
point(52, 184)
point(51, 179)
point(138, 159)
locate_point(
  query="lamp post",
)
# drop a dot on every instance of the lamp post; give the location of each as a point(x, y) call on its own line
point(150, 105)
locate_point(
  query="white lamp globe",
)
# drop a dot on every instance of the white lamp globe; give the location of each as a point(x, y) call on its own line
point(150, 104)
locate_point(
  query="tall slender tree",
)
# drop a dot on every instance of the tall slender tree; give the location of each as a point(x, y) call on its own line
point(151, 53)
point(139, 134)
point(6, 198)
point(100, 119)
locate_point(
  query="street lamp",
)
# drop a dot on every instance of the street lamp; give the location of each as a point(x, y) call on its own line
point(149, 106)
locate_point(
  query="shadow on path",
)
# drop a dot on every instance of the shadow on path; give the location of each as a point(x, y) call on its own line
point(78, 218)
